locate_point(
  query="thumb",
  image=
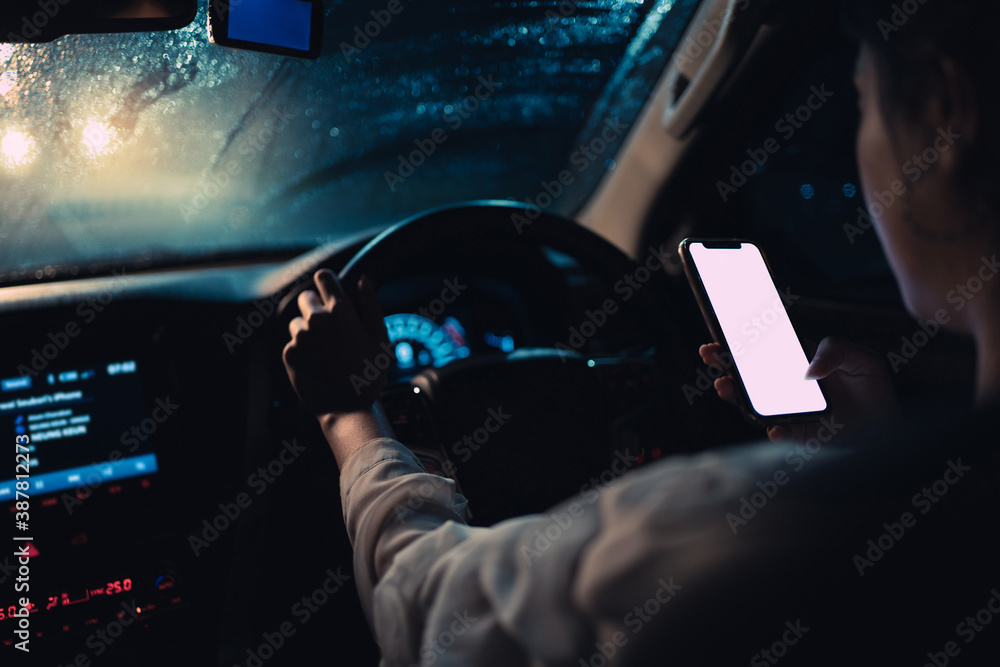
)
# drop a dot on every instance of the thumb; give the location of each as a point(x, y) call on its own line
point(371, 310)
point(830, 355)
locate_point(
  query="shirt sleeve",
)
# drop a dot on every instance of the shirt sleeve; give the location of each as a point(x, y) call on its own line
point(389, 501)
point(546, 589)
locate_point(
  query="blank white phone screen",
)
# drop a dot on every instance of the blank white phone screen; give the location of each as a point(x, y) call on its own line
point(765, 349)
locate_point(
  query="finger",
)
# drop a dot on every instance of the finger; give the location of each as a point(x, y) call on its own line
point(289, 356)
point(329, 287)
point(857, 359)
point(776, 433)
point(371, 309)
point(709, 350)
point(830, 355)
point(710, 355)
point(309, 302)
point(295, 326)
point(725, 387)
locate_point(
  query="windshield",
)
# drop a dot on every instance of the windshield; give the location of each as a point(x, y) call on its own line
point(145, 149)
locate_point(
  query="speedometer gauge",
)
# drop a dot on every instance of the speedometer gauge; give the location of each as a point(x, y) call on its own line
point(421, 343)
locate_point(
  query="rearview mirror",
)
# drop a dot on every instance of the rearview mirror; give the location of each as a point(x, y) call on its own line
point(45, 20)
point(285, 27)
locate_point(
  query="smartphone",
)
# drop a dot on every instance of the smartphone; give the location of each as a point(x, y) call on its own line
point(284, 27)
point(746, 316)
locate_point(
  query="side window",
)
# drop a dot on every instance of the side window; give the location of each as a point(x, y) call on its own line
point(796, 188)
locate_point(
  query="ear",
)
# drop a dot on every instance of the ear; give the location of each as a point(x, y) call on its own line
point(953, 108)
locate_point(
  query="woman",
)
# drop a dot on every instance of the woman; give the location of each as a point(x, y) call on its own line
point(927, 91)
point(877, 552)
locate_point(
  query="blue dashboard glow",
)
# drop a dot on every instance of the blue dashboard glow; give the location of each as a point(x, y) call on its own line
point(421, 343)
point(504, 343)
point(94, 475)
point(404, 354)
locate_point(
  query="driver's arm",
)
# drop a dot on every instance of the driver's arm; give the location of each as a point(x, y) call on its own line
point(389, 499)
point(330, 342)
point(406, 525)
point(382, 482)
point(531, 590)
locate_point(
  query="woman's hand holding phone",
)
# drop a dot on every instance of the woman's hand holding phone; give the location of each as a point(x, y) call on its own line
point(855, 380)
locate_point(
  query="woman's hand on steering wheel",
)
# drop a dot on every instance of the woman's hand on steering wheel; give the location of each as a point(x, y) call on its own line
point(330, 342)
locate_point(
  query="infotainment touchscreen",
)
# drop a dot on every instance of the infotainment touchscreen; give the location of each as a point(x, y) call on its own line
point(86, 426)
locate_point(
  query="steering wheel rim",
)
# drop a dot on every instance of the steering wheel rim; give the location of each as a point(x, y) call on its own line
point(481, 225)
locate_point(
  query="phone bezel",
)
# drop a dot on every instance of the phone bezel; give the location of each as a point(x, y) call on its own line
point(715, 329)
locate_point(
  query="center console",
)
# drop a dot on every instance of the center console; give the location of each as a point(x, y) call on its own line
point(93, 507)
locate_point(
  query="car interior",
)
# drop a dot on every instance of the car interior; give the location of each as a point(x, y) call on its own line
point(515, 177)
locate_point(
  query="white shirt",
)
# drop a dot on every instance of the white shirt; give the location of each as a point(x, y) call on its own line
point(583, 584)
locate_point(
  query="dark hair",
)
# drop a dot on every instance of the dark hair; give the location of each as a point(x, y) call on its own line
point(910, 40)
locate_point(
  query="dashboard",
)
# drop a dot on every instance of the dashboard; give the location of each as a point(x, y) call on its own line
point(420, 343)
point(436, 321)
point(94, 518)
point(169, 483)
point(91, 500)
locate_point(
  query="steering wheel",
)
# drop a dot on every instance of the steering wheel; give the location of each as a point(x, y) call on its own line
point(527, 429)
